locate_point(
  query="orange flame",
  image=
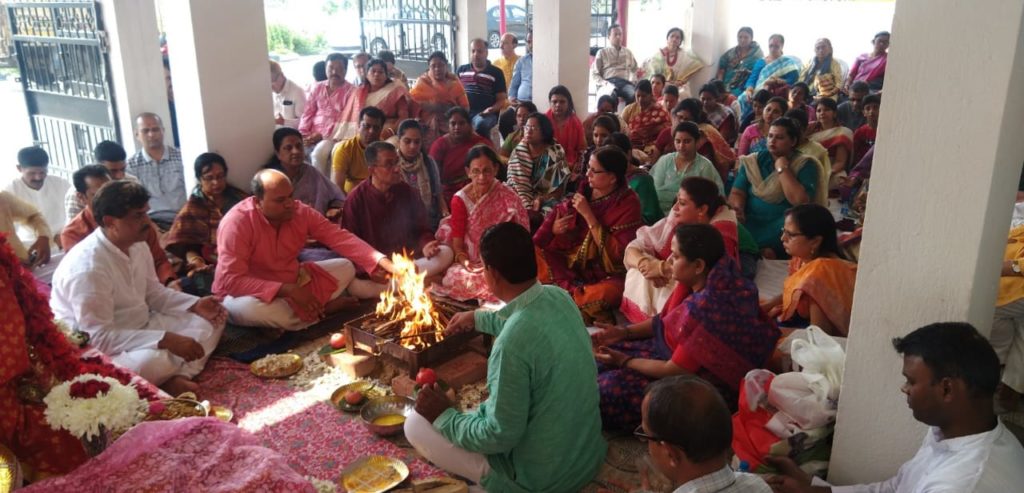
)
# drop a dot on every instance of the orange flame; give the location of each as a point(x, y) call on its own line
point(406, 299)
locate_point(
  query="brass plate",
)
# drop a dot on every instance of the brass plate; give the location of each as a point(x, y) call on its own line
point(374, 474)
point(369, 389)
point(277, 366)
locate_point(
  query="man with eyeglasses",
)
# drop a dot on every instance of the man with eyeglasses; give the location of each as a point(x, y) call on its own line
point(289, 99)
point(387, 213)
point(349, 160)
point(688, 430)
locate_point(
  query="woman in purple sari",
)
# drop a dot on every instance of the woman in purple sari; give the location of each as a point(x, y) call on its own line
point(718, 333)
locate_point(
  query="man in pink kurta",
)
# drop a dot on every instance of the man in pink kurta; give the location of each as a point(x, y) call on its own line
point(324, 104)
point(258, 272)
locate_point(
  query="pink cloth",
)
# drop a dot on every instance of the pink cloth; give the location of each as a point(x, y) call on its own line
point(498, 205)
point(192, 454)
point(323, 109)
point(255, 258)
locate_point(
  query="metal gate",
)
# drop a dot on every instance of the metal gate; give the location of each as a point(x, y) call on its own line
point(61, 52)
point(411, 29)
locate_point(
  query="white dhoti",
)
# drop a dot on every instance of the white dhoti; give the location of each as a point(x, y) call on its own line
point(433, 446)
point(251, 311)
point(321, 155)
point(1007, 338)
point(158, 365)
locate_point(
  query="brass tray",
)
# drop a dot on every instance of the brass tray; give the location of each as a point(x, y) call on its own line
point(374, 474)
point(290, 365)
point(369, 389)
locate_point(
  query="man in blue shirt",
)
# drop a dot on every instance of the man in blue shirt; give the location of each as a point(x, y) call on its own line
point(485, 88)
point(520, 89)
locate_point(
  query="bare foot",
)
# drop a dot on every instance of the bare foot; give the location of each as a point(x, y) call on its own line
point(340, 303)
point(180, 384)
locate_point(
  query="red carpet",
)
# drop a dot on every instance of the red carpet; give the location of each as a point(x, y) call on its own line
point(317, 439)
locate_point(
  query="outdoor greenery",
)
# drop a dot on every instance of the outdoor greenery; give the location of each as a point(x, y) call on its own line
point(281, 39)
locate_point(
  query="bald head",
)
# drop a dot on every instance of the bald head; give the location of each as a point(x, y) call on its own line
point(508, 44)
point(273, 192)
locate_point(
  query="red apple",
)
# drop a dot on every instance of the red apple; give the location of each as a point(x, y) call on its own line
point(426, 376)
point(353, 397)
point(337, 340)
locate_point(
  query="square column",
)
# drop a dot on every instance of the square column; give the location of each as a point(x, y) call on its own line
point(939, 212)
point(219, 64)
point(471, 19)
point(561, 51)
point(136, 66)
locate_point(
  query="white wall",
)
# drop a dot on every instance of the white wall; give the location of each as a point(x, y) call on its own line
point(565, 56)
point(947, 159)
point(136, 65)
point(221, 77)
point(471, 24)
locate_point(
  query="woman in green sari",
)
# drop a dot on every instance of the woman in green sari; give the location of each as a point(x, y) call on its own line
point(735, 65)
point(770, 182)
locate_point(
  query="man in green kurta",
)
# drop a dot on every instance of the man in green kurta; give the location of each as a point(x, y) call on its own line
point(540, 428)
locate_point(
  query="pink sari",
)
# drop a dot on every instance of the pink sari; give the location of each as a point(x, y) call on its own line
point(499, 205)
point(390, 99)
point(192, 454)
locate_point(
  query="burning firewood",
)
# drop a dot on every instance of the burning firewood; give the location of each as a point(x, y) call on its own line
point(406, 302)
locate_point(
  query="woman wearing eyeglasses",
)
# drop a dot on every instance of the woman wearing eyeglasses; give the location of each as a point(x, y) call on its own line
point(718, 332)
point(484, 202)
point(582, 241)
point(538, 170)
point(819, 288)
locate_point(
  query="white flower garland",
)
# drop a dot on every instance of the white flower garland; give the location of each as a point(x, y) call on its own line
point(116, 410)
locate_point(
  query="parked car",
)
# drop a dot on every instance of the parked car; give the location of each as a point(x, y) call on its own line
point(518, 21)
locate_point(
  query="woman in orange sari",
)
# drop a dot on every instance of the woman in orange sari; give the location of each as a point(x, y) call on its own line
point(819, 288)
point(836, 138)
point(378, 90)
point(434, 93)
point(581, 244)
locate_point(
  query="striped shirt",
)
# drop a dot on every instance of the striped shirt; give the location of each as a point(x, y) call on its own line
point(482, 87)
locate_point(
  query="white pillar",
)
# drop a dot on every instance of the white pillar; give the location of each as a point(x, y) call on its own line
point(218, 53)
point(136, 66)
point(708, 38)
point(561, 50)
point(471, 23)
point(941, 196)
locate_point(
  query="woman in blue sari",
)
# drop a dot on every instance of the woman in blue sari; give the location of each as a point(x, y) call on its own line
point(776, 68)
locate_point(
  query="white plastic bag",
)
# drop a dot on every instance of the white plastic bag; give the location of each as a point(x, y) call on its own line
point(820, 354)
point(802, 402)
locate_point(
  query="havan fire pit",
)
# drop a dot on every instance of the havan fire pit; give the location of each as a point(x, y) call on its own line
point(408, 324)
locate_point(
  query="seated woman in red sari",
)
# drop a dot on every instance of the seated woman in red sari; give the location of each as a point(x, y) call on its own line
point(484, 202)
point(581, 243)
point(718, 332)
point(646, 119)
point(718, 114)
point(568, 127)
point(449, 151)
point(819, 288)
point(193, 234)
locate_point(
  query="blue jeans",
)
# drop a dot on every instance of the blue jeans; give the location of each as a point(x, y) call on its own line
point(482, 124)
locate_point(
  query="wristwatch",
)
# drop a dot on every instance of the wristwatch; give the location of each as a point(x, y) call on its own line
point(1015, 267)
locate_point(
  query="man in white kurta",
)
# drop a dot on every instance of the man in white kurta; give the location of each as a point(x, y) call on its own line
point(108, 288)
point(38, 188)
